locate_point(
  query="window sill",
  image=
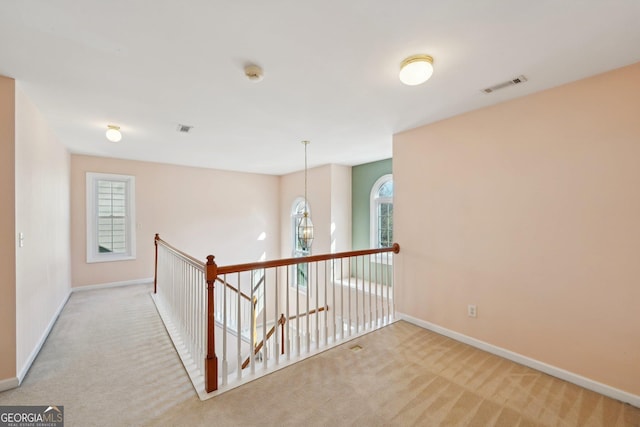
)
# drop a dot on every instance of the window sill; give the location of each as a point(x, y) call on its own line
point(104, 258)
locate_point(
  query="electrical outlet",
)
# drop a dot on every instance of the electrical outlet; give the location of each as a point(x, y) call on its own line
point(472, 310)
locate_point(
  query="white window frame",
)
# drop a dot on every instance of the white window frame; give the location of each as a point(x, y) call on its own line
point(93, 253)
point(374, 202)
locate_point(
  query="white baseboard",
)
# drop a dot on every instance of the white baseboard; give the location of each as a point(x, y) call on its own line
point(9, 383)
point(571, 377)
point(143, 281)
point(27, 365)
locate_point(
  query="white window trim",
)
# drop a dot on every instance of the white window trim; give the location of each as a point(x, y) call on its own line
point(93, 255)
point(373, 214)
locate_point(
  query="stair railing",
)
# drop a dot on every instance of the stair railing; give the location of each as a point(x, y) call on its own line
point(180, 294)
point(357, 284)
point(317, 301)
point(185, 300)
point(260, 345)
point(281, 322)
point(227, 305)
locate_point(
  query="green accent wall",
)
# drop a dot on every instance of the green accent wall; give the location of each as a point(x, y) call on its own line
point(362, 179)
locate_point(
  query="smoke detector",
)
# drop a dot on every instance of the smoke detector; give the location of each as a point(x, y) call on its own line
point(253, 72)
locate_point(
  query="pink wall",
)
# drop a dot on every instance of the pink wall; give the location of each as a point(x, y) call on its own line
point(319, 197)
point(201, 211)
point(531, 210)
point(329, 195)
point(43, 270)
point(340, 208)
point(7, 231)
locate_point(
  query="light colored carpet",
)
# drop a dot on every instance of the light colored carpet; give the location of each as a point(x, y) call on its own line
point(110, 362)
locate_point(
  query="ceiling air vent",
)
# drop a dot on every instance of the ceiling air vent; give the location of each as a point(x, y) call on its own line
point(184, 128)
point(517, 80)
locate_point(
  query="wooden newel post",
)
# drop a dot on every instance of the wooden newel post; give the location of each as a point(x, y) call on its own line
point(282, 321)
point(155, 275)
point(211, 362)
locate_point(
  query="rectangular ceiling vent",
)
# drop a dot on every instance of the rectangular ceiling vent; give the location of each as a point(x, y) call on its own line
point(184, 128)
point(517, 80)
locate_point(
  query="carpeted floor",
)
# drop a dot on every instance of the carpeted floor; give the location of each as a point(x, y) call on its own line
point(110, 362)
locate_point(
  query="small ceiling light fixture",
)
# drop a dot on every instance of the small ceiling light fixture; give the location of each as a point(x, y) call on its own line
point(113, 133)
point(305, 226)
point(253, 73)
point(416, 69)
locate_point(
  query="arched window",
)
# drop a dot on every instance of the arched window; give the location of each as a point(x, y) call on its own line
point(300, 270)
point(382, 212)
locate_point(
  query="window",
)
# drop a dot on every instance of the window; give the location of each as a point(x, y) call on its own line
point(110, 217)
point(300, 270)
point(382, 212)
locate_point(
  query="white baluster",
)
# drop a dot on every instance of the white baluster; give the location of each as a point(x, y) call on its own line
point(298, 312)
point(239, 329)
point(264, 318)
point(288, 328)
point(225, 361)
point(333, 302)
point(387, 269)
point(252, 331)
point(349, 297)
point(276, 304)
point(307, 319)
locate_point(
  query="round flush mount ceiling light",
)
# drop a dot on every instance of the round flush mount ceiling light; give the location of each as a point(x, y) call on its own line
point(113, 133)
point(416, 69)
point(253, 72)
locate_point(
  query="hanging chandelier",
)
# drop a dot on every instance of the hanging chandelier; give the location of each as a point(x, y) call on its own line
point(305, 225)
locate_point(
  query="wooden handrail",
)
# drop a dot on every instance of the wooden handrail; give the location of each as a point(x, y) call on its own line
point(260, 282)
point(281, 322)
point(230, 286)
point(311, 258)
point(196, 262)
point(326, 307)
point(212, 274)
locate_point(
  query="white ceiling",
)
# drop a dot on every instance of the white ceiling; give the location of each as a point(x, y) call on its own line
point(330, 70)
